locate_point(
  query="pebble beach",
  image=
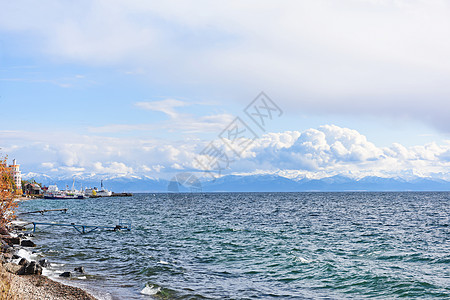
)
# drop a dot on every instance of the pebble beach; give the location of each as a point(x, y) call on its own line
point(21, 277)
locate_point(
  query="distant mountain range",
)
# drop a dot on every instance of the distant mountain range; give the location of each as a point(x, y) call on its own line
point(257, 183)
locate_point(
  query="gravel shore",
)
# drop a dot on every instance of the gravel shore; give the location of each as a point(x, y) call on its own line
point(29, 287)
point(32, 287)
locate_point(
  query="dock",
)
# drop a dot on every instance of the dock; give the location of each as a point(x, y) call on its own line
point(44, 211)
point(123, 225)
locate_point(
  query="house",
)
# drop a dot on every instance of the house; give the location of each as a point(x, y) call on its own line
point(32, 189)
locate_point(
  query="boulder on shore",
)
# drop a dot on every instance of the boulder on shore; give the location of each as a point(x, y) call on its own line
point(23, 262)
point(31, 268)
point(10, 240)
point(12, 268)
point(27, 243)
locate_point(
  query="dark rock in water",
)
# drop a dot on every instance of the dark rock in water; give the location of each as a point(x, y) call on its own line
point(15, 256)
point(23, 261)
point(44, 263)
point(79, 269)
point(65, 274)
point(27, 243)
point(31, 268)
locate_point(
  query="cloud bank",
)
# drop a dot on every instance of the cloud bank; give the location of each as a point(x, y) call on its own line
point(314, 153)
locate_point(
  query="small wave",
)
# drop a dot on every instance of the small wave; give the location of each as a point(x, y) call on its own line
point(162, 262)
point(302, 260)
point(151, 290)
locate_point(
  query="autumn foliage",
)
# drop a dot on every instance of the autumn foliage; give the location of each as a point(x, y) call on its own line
point(7, 203)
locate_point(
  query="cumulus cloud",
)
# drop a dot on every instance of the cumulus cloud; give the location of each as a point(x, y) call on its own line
point(331, 150)
point(315, 153)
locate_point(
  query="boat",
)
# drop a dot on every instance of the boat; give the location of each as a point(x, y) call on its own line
point(54, 193)
point(94, 192)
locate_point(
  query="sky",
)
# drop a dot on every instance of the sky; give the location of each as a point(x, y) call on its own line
point(150, 88)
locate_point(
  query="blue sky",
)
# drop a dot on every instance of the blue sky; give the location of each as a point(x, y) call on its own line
point(135, 88)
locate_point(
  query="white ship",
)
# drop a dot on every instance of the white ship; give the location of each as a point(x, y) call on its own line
point(94, 192)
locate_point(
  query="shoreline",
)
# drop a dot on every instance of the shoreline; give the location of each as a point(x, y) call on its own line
point(21, 277)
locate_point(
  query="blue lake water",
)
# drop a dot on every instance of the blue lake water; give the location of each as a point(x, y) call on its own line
point(255, 245)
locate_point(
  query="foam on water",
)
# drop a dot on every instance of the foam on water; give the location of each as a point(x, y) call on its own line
point(25, 254)
point(302, 260)
point(150, 290)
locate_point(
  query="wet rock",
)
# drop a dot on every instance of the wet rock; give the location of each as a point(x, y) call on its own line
point(79, 269)
point(15, 256)
point(31, 268)
point(23, 262)
point(65, 274)
point(11, 240)
point(27, 243)
point(44, 263)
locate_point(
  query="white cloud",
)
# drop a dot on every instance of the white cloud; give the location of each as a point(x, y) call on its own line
point(326, 151)
point(166, 106)
point(177, 122)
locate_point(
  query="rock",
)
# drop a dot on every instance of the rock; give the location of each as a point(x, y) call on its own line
point(11, 240)
point(7, 256)
point(7, 249)
point(44, 263)
point(3, 230)
point(38, 270)
point(31, 268)
point(79, 269)
point(27, 243)
point(15, 256)
point(65, 274)
point(23, 261)
point(12, 268)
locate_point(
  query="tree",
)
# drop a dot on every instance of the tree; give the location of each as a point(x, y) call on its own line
point(7, 203)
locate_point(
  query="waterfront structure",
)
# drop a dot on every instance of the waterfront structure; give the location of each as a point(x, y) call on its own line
point(16, 176)
point(32, 189)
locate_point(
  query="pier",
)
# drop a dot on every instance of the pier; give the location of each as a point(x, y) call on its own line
point(123, 225)
point(44, 211)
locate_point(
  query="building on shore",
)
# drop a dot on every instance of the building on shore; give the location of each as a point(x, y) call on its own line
point(32, 189)
point(16, 176)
